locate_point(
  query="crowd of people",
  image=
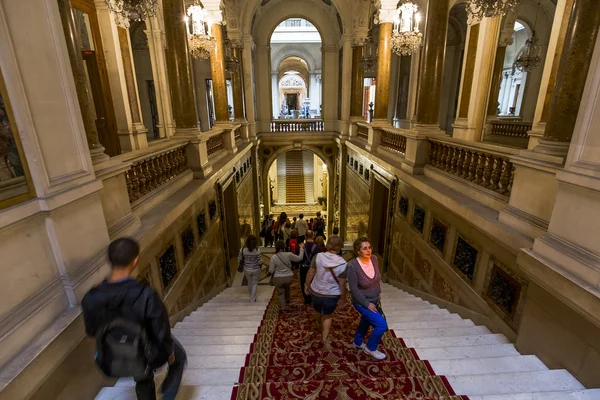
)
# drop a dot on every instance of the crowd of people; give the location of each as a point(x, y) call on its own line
point(324, 274)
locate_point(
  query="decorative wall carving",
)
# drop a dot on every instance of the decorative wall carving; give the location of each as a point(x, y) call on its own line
point(168, 265)
point(505, 292)
point(422, 265)
point(188, 242)
point(438, 235)
point(403, 206)
point(465, 258)
point(419, 218)
point(212, 209)
point(201, 223)
point(442, 288)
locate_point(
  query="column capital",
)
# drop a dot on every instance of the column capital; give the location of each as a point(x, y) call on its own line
point(386, 15)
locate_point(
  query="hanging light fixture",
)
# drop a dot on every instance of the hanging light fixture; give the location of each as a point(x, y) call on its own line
point(406, 37)
point(368, 60)
point(479, 9)
point(200, 42)
point(132, 10)
point(528, 57)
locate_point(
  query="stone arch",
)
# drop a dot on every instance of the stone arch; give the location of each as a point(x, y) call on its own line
point(319, 151)
point(274, 14)
point(294, 50)
point(345, 8)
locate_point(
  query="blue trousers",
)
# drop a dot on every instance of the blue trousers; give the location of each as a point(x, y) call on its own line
point(369, 318)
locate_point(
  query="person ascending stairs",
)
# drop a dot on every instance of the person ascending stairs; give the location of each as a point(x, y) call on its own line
point(329, 284)
point(364, 281)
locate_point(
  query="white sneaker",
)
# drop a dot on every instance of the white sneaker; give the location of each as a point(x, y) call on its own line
point(361, 347)
point(376, 354)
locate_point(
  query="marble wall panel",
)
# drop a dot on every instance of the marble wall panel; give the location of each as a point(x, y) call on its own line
point(358, 199)
point(245, 200)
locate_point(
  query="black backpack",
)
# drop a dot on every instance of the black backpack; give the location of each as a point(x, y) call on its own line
point(124, 348)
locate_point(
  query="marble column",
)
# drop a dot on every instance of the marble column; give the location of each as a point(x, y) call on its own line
point(179, 66)
point(73, 42)
point(156, 47)
point(571, 76)
point(217, 68)
point(346, 90)
point(384, 60)
point(139, 138)
point(248, 81)
point(237, 84)
point(432, 62)
point(356, 95)
point(496, 82)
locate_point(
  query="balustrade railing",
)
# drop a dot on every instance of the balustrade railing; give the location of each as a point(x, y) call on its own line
point(362, 132)
point(393, 141)
point(237, 134)
point(297, 125)
point(214, 145)
point(490, 170)
point(510, 128)
point(149, 172)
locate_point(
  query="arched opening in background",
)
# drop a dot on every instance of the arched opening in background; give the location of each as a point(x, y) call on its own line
point(296, 70)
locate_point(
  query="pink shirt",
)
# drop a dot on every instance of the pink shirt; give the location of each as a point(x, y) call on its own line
point(367, 268)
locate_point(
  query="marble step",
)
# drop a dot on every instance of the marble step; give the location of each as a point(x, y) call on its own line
point(451, 341)
point(439, 332)
point(441, 323)
point(232, 313)
point(492, 365)
point(234, 307)
point(203, 392)
point(408, 306)
point(215, 318)
point(242, 300)
point(591, 394)
point(446, 353)
point(216, 340)
point(391, 312)
point(216, 361)
point(514, 382)
point(218, 325)
point(221, 350)
point(199, 376)
point(180, 332)
point(398, 319)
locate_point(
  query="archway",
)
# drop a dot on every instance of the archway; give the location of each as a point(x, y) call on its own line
point(296, 91)
point(323, 189)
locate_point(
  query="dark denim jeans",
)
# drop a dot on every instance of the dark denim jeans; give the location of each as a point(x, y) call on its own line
point(367, 319)
point(146, 390)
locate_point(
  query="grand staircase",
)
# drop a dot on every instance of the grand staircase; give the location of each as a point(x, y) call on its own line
point(308, 160)
point(294, 184)
point(281, 178)
point(242, 350)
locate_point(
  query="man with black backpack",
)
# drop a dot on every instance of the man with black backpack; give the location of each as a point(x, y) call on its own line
point(131, 326)
point(305, 264)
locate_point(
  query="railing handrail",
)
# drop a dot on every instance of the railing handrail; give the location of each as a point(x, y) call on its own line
point(297, 120)
point(153, 151)
point(477, 146)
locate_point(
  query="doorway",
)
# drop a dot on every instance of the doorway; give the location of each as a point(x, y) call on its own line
point(379, 216)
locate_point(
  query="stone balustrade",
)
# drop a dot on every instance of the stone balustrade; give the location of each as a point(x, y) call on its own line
point(362, 131)
point(237, 133)
point(215, 145)
point(485, 168)
point(150, 171)
point(510, 128)
point(297, 125)
point(393, 141)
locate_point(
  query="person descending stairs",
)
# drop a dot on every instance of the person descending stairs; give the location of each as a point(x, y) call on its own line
point(242, 350)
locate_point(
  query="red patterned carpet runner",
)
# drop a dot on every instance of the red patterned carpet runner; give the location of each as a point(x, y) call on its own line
point(287, 360)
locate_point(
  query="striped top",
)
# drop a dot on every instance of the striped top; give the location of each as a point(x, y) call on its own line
point(252, 259)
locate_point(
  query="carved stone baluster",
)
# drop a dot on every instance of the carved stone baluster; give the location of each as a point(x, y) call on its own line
point(139, 170)
point(466, 164)
point(487, 173)
point(496, 172)
point(433, 151)
point(446, 156)
point(160, 160)
point(181, 161)
point(454, 162)
point(505, 176)
point(169, 165)
point(473, 167)
point(129, 185)
point(135, 184)
point(150, 184)
point(512, 178)
point(480, 167)
point(154, 171)
point(451, 156)
point(176, 161)
point(460, 163)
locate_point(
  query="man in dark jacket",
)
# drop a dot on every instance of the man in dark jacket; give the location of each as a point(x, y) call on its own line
point(124, 296)
point(305, 264)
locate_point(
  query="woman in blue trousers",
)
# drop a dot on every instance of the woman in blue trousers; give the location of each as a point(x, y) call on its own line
point(364, 280)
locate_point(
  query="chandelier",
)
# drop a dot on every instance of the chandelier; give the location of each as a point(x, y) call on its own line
point(479, 9)
point(406, 37)
point(528, 58)
point(368, 60)
point(200, 42)
point(136, 10)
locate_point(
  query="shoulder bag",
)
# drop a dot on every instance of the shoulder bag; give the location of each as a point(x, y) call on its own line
point(241, 265)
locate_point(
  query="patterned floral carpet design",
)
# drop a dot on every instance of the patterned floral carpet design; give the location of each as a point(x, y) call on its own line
point(288, 361)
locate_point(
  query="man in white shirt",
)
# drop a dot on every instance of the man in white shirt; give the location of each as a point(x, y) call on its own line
point(302, 227)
